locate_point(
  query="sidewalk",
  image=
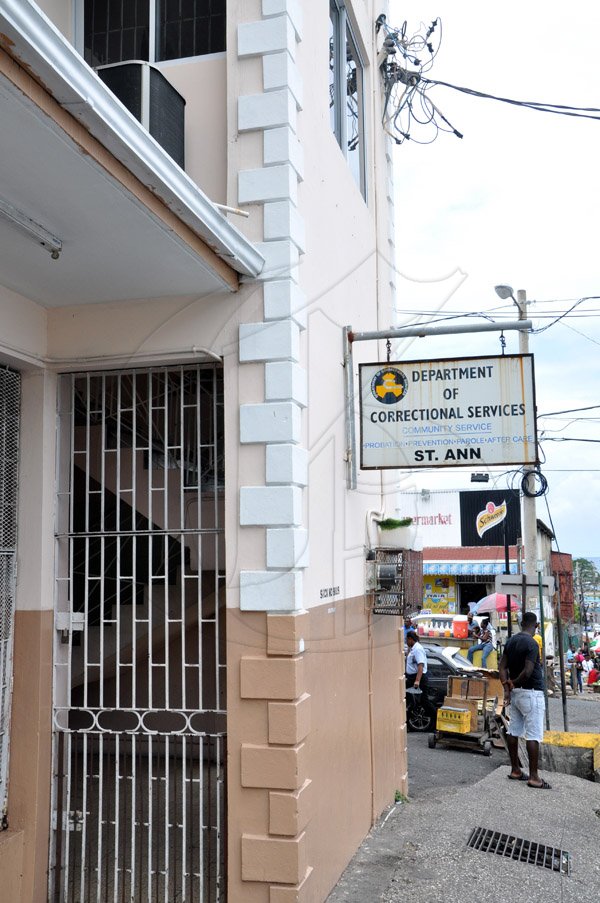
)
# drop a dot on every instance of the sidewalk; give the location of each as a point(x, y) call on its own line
point(419, 849)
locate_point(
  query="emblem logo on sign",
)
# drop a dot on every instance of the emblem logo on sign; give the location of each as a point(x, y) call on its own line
point(492, 515)
point(389, 385)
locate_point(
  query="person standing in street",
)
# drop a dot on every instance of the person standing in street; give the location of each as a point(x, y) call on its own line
point(408, 625)
point(538, 638)
point(416, 663)
point(587, 668)
point(522, 679)
point(579, 660)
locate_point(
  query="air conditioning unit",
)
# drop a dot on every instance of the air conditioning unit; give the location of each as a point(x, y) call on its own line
point(152, 99)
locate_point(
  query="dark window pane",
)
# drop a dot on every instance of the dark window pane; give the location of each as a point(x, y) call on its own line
point(172, 11)
point(171, 32)
point(187, 39)
point(201, 25)
point(128, 14)
point(115, 14)
point(114, 47)
point(128, 44)
point(115, 30)
point(202, 36)
point(142, 44)
point(218, 34)
point(188, 10)
point(99, 15)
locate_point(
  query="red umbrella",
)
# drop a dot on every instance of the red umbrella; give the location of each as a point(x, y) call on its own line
point(495, 602)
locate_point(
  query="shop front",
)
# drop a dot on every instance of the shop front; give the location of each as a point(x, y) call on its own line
point(454, 578)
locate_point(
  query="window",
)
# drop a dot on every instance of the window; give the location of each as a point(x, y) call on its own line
point(346, 92)
point(190, 28)
point(151, 30)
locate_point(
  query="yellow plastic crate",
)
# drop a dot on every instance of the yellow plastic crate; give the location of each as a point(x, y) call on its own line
point(456, 721)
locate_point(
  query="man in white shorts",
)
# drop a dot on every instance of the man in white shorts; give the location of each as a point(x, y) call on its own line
point(521, 675)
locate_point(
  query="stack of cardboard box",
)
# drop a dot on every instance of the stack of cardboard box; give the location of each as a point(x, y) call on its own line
point(469, 694)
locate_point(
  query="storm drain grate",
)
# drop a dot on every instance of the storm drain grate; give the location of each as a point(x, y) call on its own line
point(521, 850)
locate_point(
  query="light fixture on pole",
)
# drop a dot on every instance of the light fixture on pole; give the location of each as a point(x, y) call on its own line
point(41, 236)
point(505, 292)
point(529, 528)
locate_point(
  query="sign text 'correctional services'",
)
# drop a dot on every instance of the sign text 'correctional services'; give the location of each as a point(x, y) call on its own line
point(448, 413)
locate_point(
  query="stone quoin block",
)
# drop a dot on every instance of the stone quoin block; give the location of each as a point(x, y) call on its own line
point(291, 8)
point(270, 422)
point(287, 634)
point(286, 381)
point(271, 591)
point(270, 506)
point(283, 299)
point(271, 183)
point(290, 813)
point(280, 71)
point(286, 464)
point(281, 145)
point(281, 259)
point(267, 111)
point(282, 220)
point(272, 678)
point(270, 35)
point(273, 859)
point(287, 548)
point(274, 341)
point(273, 767)
point(299, 893)
point(289, 722)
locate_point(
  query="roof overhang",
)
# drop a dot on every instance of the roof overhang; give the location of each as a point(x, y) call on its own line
point(75, 161)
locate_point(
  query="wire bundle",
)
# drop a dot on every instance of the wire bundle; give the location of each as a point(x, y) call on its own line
point(407, 105)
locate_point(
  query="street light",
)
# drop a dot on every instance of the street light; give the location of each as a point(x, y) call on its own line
point(505, 292)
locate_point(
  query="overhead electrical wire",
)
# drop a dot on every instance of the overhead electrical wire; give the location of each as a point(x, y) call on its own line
point(566, 313)
point(568, 439)
point(591, 407)
point(559, 109)
point(404, 59)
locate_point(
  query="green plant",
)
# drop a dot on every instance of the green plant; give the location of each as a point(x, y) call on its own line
point(394, 523)
point(399, 797)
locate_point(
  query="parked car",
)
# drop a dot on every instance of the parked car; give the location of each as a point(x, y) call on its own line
point(442, 663)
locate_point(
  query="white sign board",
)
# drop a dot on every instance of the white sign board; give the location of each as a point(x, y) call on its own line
point(512, 584)
point(462, 412)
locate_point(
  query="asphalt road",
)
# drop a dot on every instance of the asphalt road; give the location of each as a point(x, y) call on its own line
point(430, 770)
point(583, 713)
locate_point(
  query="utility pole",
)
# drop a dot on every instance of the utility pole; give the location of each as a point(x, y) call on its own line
point(529, 507)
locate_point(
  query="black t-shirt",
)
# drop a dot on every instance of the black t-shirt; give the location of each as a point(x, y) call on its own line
point(521, 648)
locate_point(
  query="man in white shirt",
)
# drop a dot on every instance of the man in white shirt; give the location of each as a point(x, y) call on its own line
point(487, 642)
point(416, 662)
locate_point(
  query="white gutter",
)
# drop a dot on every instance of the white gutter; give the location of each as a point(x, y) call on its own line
point(33, 40)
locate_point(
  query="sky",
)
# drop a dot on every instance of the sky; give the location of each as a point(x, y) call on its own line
point(514, 201)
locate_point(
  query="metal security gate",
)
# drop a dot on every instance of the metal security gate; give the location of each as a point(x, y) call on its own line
point(139, 676)
point(10, 404)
